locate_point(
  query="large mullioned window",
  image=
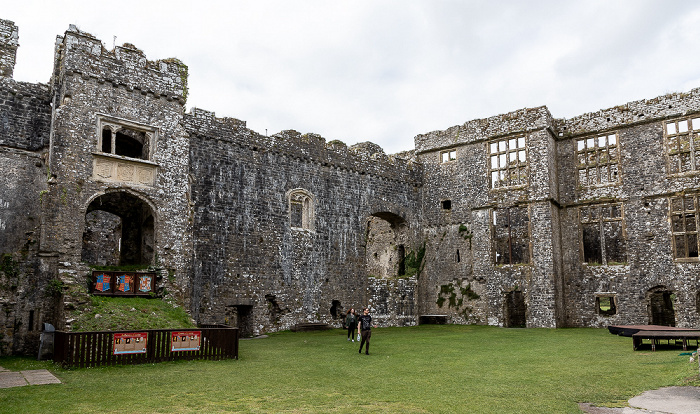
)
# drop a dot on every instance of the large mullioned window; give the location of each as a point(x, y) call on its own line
point(684, 226)
point(508, 162)
point(598, 158)
point(511, 235)
point(602, 235)
point(683, 145)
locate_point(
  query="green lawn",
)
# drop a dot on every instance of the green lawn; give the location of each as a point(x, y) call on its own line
point(426, 369)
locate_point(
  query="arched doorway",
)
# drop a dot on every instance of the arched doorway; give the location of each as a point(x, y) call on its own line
point(660, 306)
point(119, 230)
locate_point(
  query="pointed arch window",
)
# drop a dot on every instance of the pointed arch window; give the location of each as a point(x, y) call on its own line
point(301, 209)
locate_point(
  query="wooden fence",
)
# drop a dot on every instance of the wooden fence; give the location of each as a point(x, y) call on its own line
point(91, 349)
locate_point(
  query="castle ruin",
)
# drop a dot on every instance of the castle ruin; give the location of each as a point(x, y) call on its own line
point(518, 220)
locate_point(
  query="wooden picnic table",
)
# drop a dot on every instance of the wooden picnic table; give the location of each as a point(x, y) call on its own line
point(656, 336)
point(656, 333)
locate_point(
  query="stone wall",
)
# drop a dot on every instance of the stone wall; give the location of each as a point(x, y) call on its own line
point(247, 251)
point(8, 47)
point(520, 219)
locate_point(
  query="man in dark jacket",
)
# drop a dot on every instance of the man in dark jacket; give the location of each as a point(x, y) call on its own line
point(365, 325)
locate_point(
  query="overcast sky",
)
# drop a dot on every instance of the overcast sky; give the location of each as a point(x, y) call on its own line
point(385, 71)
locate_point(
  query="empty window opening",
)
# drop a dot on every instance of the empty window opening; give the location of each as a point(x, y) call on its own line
point(401, 252)
point(683, 145)
point(515, 310)
point(697, 302)
point(119, 230)
point(510, 235)
point(336, 309)
point(684, 227)
point(508, 162)
point(457, 258)
point(301, 210)
point(126, 142)
point(602, 234)
point(605, 305)
point(598, 159)
point(447, 156)
point(446, 204)
point(33, 321)
point(660, 306)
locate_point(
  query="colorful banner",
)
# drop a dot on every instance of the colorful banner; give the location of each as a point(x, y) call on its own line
point(130, 343)
point(185, 341)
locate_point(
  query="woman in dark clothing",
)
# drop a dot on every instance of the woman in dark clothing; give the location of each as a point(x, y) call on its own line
point(351, 323)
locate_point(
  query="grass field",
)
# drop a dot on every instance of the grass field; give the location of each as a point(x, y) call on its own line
point(425, 369)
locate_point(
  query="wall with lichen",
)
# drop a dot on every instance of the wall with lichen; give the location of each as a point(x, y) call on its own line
point(246, 251)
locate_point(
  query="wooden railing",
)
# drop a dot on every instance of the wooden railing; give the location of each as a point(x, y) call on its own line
point(91, 349)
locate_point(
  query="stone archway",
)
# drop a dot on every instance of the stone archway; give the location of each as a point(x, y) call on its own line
point(119, 230)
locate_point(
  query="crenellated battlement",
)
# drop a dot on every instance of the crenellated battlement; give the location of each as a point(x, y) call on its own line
point(364, 158)
point(80, 53)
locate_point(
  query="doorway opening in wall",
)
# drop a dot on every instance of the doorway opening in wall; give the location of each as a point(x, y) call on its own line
point(336, 309)
point(515, 310)
point(385, 251)
point(240, 316)
point(119, 231)
point(660, 306)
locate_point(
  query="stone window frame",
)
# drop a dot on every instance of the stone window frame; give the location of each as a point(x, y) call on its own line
point(521, 241)
point(447, 156)
point(683, 218)
point(613, 304)
point(682, 143)
point(595, 214)
point(508, 161)
point(598, 160)
point(114, 124)
point(302, 201)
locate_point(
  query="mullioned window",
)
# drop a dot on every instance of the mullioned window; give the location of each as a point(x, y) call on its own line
point(602, 234)
point(682, 145)
point(684, 226)
point(508, 162)
point(598, 160)
point(511, 235)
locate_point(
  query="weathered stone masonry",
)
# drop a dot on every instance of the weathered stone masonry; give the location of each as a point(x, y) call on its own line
point(520, 219)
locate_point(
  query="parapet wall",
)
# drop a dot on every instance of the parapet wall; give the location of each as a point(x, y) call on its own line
point(630, 114)
point(523, 120)
point(25, 112)
point(83, 54)
point(8, 47)
point(364, 158)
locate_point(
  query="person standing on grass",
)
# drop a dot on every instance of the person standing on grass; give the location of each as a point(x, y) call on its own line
point(365, 327)
point(351, 323)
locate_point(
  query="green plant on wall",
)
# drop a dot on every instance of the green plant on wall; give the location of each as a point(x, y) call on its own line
point(414, 262)
point(9, 266)
point(455, 295)
point(54, 288)
point(466, 234)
